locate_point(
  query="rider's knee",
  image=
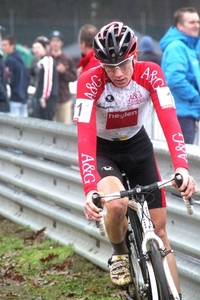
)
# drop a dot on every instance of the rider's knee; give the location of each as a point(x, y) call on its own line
point(117, 208)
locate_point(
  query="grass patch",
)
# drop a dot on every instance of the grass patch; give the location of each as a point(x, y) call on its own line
point(34, 267)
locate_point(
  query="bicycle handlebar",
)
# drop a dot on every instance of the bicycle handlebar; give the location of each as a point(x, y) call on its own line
point(142, 189)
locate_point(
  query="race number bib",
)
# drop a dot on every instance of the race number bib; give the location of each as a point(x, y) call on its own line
point(165, 97)
point(83, 110)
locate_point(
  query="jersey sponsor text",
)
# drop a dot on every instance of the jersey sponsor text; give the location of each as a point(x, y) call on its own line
point(122, 119)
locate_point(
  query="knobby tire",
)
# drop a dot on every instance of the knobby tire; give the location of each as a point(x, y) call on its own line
point(159, 271)
point(137, 229)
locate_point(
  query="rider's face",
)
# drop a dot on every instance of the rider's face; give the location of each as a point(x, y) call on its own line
point(120, 74)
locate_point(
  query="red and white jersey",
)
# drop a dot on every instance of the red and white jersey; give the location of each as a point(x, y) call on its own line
point(113, 113)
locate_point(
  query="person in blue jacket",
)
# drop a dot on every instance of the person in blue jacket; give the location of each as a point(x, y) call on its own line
point(181, 67)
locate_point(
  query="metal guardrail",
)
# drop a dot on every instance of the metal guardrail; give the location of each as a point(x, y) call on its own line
point(40, 186)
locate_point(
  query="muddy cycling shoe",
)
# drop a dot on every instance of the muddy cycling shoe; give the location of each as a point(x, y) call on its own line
point(119, 270)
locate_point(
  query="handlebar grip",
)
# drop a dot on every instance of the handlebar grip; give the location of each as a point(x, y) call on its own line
point(102, 228)
point(189, 205)
point(188, 202)
point(97, 201)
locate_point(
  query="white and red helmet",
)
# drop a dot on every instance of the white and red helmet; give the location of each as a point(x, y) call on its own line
point(114, 43)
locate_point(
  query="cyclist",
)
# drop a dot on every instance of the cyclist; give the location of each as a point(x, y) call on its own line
point(112, 103)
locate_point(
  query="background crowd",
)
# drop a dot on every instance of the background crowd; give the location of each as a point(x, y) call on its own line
point(51, 71)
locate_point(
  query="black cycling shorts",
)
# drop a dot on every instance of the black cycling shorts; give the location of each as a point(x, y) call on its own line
point(136, 158)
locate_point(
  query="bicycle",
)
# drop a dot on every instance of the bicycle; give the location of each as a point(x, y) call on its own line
point(150, 273)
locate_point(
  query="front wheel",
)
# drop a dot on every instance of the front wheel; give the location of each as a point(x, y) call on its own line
point(156, 262)
point(140, 288)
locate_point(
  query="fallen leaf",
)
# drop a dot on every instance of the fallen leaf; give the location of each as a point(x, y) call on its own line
point(48, 258)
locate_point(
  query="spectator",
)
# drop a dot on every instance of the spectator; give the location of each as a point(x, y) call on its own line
point(180, 63)
point(148, 53)
point(66, 74)
point(17, 77)
point(85, 39)
point(38, 52)
point(4, 104)
point(33, 72)
point(46, 94)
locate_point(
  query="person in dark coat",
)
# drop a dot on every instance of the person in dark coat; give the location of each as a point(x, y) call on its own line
point(147, 50)
point(17, 77)
point(66, 74)
point(4, 104)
